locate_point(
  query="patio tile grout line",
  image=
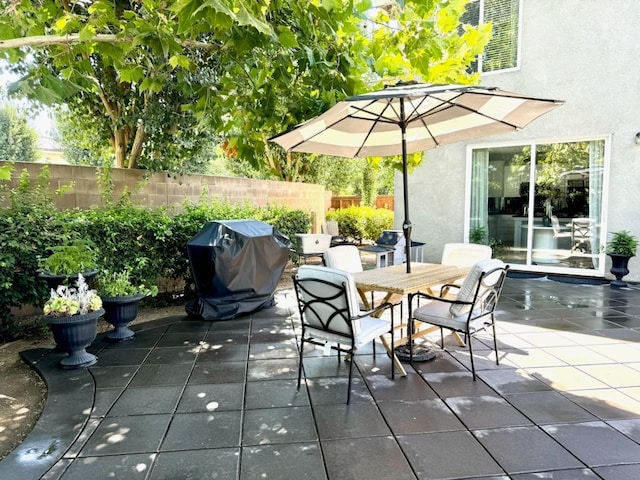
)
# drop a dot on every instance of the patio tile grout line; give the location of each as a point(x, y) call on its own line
point(292, 315)
point(101, 417)
point(563, 394)
point(175, 408)
point(386, 421)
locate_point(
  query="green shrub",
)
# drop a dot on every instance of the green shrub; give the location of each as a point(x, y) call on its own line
point(478, 235)
point(75, 257)
point(120, 284)
point(622, 243)
point(362, 222)
point(147, 242)
point(130, 238)
point(29, 224)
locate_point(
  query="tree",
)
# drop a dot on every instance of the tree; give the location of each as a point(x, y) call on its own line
point(124, 61)
point(339, 59)
point(82, 142)
point(369, 184)
point(150, 72)
point(17, 138)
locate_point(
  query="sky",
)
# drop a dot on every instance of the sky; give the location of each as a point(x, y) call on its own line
point(43, 122)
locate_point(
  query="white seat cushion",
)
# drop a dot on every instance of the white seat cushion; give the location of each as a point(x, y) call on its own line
point(464, 254)
point(337, 277)
point(438, 313)
point(370, 328)
point(470, 284)
point(343, 257)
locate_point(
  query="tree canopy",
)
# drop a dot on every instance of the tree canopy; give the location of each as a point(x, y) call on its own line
point(156, 78)
point(17, 138)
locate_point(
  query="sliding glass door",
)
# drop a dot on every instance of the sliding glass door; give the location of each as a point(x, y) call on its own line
point(539, 205)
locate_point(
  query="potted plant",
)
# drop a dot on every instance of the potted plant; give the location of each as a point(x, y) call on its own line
point(621, 248)
point(66, 262)
point(72, 314)
point(120, 299)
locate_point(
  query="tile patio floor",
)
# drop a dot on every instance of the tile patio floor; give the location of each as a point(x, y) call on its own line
point(204, 400)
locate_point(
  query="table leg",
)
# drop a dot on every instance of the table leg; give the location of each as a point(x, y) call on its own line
point(365, 300)
point(398, 365)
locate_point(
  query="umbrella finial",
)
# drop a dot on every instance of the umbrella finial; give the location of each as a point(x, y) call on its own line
point(402, 83)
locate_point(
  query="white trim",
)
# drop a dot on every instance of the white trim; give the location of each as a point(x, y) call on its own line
point(505, 70)
point(540, 141)
point(533, 143)
point(604, 217)
point(467, 194)
point(531, 206)
point(519, 47)
point(479, 58)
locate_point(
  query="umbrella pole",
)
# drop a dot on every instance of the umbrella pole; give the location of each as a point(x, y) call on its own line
point(406, 225)
point(416, 352)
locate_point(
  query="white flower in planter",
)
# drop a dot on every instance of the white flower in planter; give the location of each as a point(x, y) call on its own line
point(68, 301)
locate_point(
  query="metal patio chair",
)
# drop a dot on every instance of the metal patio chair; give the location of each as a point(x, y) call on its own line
point(328, 304)
point(472, 308)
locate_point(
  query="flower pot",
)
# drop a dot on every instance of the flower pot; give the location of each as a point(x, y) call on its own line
point(74, 334)
point(54, 280)
point(119, 311)
point(619, 268)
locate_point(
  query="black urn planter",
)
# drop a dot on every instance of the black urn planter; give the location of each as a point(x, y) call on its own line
point(119, 311)
point(619, 268)
point(73, 335)
point(54, 280)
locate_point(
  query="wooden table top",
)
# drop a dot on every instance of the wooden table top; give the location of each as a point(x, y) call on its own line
point(395, 279)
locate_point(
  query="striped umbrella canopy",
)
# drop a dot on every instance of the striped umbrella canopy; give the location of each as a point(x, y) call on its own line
point(411, 117)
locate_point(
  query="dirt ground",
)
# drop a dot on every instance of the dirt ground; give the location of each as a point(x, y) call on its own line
point(22, 391)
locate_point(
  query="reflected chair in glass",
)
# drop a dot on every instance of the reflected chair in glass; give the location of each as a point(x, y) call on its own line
point(328, 305)
point(558, 231)
point(581, 235)
point(471, 310)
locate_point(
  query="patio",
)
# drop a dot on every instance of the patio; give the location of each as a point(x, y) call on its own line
point(201, 400)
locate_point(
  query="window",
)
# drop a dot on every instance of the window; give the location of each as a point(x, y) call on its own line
point(502, 51)
point(540, 204)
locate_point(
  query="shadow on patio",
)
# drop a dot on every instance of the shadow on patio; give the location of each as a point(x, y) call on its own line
point(188, 399)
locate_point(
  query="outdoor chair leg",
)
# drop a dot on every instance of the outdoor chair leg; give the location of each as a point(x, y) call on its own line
point(495, 339)
point(350, 374)
point(393, 363)
point(374, 347)
point(300, 362)
point(441, 338)
point(473, 367)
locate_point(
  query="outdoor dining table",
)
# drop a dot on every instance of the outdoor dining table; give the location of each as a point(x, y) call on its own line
point(396, 280)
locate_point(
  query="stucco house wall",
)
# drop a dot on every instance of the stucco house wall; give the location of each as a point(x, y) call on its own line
point(585, 52)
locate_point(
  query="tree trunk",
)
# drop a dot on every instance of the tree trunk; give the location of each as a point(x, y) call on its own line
point(136, 148)
point(120, 147)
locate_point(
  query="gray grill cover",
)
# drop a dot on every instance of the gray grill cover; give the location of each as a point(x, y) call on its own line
point(236, 266)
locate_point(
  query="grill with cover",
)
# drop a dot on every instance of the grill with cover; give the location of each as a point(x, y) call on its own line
point(236, 267)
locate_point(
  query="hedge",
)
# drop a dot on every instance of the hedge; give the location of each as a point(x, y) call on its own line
point(362, 222)
point(151, 242)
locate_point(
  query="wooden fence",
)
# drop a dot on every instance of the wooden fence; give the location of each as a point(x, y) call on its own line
point(344, 201)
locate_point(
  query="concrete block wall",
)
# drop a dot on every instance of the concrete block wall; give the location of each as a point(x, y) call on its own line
point(159, 189)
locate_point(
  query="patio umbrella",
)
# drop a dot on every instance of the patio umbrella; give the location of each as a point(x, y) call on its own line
point(408, 118)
